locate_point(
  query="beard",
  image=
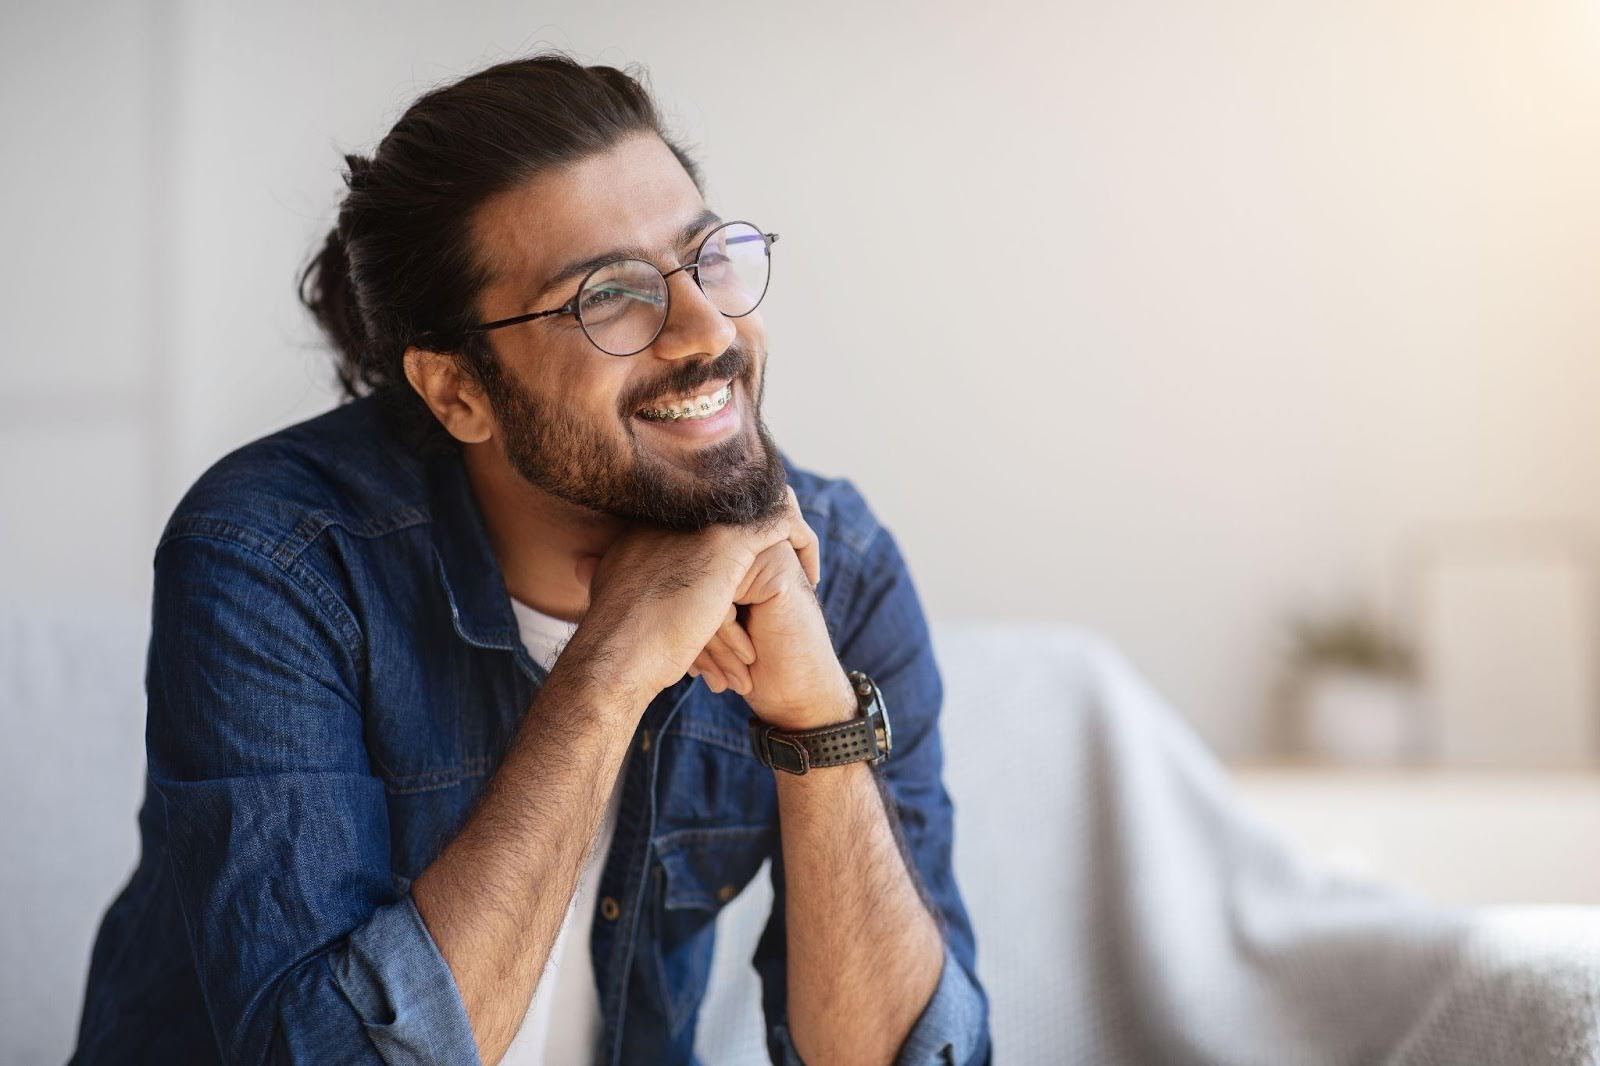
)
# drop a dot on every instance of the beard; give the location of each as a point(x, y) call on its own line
point(732, 481)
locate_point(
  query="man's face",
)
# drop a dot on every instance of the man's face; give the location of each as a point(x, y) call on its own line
point(568, 413)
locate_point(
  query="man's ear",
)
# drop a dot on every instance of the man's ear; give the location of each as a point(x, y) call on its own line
point(455, 399)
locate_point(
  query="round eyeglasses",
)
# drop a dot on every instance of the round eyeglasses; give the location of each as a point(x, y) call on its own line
point(623, 305)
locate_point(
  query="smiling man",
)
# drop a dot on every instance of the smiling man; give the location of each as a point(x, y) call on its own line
point(473, 701)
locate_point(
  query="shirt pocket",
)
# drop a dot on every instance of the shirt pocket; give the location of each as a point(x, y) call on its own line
point(697, 872)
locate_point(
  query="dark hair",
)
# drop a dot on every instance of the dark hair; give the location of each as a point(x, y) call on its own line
point(400, 265)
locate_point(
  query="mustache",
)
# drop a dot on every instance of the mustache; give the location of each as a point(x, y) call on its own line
point(686, 380)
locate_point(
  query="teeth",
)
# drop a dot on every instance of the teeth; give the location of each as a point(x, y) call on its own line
point(696, 408)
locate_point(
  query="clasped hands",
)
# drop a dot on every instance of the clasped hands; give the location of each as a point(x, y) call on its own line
point(736, 605)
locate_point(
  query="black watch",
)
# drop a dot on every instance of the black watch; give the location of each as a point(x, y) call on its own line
point(864, 738)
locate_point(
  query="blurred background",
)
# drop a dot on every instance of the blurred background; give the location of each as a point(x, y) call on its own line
point(1259, 338)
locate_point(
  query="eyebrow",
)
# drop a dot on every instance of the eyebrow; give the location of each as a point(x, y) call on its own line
point(579, 267)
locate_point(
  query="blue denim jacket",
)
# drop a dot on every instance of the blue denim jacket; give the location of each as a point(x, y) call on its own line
point(334, 673)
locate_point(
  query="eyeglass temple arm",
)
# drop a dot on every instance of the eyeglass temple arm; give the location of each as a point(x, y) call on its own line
point(564, 310)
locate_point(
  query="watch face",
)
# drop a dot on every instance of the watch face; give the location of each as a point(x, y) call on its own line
point(882, 733)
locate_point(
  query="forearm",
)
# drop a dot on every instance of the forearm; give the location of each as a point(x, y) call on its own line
point(495, 897)
point(864, 952)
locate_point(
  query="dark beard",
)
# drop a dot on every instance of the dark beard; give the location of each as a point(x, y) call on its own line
point(574, 461)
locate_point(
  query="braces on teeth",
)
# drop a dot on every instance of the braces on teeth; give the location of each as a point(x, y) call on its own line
point(705, 405)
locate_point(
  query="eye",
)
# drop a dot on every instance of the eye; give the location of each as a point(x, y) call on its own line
point(598, 298)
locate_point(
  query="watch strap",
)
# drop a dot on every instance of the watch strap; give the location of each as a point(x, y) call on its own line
point(855, 740)
point(829, 745)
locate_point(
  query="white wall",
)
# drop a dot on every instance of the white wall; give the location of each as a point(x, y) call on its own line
point(1159, 317)
point(84, 421)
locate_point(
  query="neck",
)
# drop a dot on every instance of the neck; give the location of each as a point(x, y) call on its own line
point(537, 538)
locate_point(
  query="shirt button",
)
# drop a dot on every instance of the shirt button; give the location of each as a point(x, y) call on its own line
point(644, 741)
point(727, 892)
point(609, 909)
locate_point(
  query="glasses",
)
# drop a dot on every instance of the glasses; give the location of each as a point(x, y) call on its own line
point(623, 305)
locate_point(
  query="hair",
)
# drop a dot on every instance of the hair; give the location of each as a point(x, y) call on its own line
point(400, 266)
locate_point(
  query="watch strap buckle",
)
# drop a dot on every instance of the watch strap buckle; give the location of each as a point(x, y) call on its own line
point(777, 751)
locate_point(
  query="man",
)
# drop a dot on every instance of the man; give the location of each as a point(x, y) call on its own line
point(472, 701)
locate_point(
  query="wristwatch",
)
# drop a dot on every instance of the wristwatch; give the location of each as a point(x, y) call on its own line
point(864, 738)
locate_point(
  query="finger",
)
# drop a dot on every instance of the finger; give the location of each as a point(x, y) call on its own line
point(734, 636)
point(775, 569)
point(708, 668)
point(733, 671)
point(756, 576)
point(805, 542)
point(809, 549)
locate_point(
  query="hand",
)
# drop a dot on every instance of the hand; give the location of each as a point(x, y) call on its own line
point(796, 679)
point(657, 599)
point(725, 662)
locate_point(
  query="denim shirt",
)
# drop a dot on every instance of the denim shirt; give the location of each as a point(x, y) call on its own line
point(334, 674)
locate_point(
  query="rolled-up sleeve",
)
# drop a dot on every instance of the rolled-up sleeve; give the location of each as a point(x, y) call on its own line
point(953, 1029)
point(954, 1026)
point(277, 829)
point(882, 630)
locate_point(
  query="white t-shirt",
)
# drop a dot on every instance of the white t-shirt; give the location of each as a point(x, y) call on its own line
point(563, 1023)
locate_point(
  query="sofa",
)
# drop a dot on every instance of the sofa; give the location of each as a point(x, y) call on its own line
point(1128, 908)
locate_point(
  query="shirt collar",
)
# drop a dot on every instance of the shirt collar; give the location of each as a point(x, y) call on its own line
point(480, 603)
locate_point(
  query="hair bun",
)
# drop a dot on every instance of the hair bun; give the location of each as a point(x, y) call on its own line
point(360, 170)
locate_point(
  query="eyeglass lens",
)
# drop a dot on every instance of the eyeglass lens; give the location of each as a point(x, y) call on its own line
point(623, 306)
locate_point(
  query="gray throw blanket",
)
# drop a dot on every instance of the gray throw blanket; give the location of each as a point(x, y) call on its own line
point(1161, 922)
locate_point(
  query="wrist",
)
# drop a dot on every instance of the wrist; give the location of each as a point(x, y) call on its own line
point(589, 679)
point(834, 703)
point(864, 736)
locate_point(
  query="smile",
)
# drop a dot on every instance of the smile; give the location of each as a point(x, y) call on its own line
point(692, 409)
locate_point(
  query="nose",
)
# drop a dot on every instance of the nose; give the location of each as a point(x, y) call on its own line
point(694, 326)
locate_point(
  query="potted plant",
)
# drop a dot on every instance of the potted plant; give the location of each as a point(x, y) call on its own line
point(1352, 687)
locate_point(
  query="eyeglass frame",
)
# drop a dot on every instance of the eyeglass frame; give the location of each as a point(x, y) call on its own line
point(571, 306)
